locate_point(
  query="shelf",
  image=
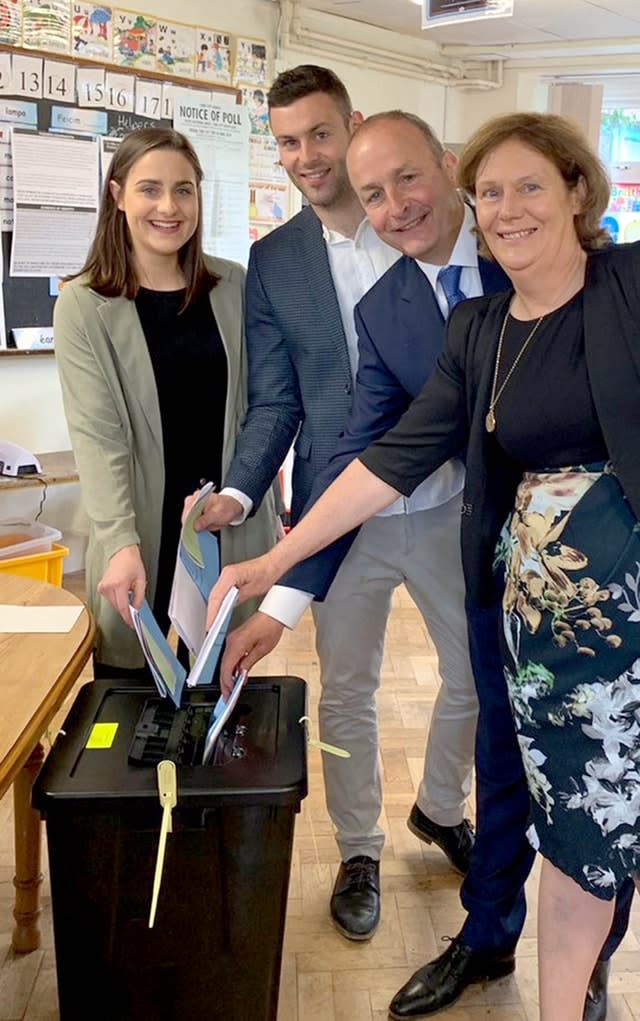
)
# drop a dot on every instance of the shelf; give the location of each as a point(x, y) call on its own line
point(13, 352)
point(58, 466)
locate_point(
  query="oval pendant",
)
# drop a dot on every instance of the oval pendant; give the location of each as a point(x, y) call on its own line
point(490, 421)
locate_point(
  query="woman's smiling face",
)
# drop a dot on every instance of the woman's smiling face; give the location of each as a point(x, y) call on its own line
point(159, 199)
point(525, 209)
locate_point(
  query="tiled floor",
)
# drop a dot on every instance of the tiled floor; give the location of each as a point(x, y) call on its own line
point(326, 978)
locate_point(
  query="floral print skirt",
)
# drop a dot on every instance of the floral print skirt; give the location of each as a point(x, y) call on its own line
point(570, 555)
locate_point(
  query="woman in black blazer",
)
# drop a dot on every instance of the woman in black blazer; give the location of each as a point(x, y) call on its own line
point(541, 386)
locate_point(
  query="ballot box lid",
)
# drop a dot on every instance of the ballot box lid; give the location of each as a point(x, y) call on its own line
point(261, 758)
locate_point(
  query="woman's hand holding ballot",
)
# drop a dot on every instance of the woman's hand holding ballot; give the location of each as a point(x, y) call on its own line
point(124, 575)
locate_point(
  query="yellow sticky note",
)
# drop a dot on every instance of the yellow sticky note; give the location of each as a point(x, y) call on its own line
point(102, 735)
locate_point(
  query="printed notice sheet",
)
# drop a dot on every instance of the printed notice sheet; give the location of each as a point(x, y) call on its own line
point(56, 193)
point(219, 133)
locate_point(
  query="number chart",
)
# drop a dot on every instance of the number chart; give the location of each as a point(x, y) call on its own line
point(67, 95)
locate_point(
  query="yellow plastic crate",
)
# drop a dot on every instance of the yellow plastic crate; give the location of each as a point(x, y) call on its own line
point(39, 566)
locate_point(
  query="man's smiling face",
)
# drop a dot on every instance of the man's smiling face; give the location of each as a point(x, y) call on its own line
point(408, 194)
point(313, 136)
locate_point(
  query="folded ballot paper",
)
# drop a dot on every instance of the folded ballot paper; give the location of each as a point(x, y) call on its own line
point(197, 568)
point(220, 714)
point(168, 672)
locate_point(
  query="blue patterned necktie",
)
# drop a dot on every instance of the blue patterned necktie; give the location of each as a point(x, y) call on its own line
point(449, 279)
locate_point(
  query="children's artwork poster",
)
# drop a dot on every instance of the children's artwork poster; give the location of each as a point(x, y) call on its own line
point(622, 218)
point(91, 31)
point(258, 231)
point(213, 56)
point(46, 25)
point(251, 62)
point(175, 48)
point(134, 40)
point(625, 198)
point(255, 100)
point(269, 202)
point(10, 22)
point(264, 160)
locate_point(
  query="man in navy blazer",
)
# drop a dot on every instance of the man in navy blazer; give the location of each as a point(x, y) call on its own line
point(303, 282)
point(400, 329)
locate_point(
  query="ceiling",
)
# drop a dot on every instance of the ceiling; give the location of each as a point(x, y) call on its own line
point(534, 22)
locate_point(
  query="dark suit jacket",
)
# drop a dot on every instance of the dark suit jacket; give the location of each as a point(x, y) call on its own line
point(400, 335)
point(451, 409)
point(299, 370)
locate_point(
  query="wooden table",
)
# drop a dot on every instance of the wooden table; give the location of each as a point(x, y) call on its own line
point(37, 671)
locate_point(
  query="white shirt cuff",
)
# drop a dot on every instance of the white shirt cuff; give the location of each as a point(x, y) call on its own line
point(246, 501)
point(286, 604)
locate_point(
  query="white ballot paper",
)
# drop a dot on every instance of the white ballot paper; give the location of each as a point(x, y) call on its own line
point(38, 619)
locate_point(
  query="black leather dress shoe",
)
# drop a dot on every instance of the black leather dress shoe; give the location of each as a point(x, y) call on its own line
point(595, 1005)
point(355, 902)
point(456, 841)
point(440, 983)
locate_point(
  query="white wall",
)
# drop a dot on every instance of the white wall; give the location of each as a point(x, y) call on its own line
point(521, 90)
point(31, 404)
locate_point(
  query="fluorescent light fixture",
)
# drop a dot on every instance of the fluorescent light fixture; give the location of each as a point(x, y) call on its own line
point(457, 12)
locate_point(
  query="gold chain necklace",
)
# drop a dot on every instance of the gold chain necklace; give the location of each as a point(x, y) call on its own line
point(490, 420)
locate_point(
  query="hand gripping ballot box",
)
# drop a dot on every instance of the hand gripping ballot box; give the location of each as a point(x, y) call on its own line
point(215, 949)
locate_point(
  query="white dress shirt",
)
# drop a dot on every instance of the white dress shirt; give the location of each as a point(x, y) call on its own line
point(287, 605)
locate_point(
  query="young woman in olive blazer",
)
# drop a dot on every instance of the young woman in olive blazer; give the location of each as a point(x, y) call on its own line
point(107, 377)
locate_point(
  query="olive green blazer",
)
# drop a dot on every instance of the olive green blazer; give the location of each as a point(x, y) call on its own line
point(112, 411)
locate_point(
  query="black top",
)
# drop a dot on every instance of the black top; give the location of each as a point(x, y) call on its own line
point(545, 417)
point(450, 411)
point(190, 368)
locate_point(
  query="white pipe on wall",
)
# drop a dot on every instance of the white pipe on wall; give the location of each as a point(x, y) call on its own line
point(294, 35)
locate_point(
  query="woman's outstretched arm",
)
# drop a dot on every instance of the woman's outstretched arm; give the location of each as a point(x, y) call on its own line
point(356, 495)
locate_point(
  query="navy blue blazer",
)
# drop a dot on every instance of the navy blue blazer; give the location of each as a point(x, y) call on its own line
point(299, 376)
point(401, 333)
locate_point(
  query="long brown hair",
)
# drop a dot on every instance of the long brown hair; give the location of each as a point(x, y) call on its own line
point(110, 268)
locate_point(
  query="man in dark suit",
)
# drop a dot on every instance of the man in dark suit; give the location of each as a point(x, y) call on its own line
point(392, 164)
point(302, 285)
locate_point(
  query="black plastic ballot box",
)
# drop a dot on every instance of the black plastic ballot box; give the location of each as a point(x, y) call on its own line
point(216, 947)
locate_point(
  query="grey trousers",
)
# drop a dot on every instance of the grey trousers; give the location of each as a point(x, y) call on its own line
point(423, 551)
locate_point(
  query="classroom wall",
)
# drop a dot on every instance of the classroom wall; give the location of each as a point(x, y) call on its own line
point(31, 408)
point(30, 404)
point(521, 90)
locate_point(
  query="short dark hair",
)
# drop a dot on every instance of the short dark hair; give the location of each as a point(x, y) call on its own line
point(304, 80)
point(109, 267)
point(432, 140)
point(562, 143)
